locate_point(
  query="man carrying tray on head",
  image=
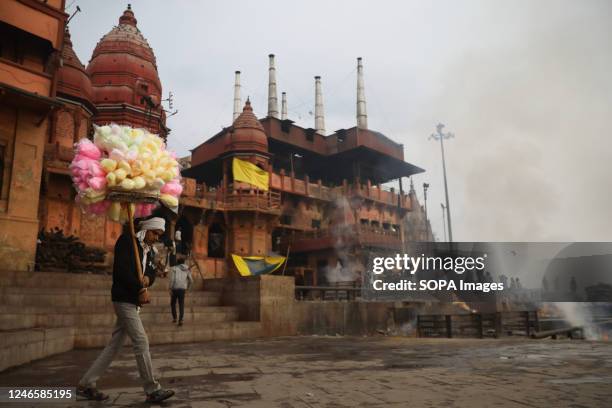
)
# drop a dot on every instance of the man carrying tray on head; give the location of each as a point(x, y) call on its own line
point(126, 287)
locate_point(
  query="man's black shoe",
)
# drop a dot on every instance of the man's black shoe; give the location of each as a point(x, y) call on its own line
point(91, 394)
point(159, 395)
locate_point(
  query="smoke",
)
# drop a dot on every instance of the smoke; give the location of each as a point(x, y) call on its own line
point(578, 314)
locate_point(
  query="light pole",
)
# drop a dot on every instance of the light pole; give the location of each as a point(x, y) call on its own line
point(441, 136)
point(425, 187)
point(443, 220)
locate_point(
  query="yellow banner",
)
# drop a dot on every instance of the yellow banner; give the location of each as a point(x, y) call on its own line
point(249, 173)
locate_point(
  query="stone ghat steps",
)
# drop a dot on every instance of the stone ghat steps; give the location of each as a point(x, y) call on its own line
point(72, 280)
point(22, 346)
point(15, 317)
point(170, 334)
point(52, 298)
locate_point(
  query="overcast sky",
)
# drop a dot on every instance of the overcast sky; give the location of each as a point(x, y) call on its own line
point(525, 86)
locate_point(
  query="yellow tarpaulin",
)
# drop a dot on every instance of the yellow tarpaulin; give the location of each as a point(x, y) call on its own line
point(257, 265)
point(249, 173)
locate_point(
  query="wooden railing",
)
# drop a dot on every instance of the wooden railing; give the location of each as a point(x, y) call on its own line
point(478, 325)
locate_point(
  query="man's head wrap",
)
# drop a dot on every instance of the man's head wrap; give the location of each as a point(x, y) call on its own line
point(155, 223)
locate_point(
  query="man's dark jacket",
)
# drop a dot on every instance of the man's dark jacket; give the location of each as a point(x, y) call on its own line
point(126, 282)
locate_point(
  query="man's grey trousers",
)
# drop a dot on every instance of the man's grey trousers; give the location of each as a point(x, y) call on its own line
point(128, 325)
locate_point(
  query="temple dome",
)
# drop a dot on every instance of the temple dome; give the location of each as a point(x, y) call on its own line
point(73, 81)
point(123, 69)
point(247, 133)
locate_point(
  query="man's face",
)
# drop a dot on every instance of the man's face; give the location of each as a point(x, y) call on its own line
point(153, 236)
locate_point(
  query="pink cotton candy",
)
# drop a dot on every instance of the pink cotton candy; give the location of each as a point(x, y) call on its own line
point(83, 186)
point(143, 210)
point(97, 183)
point(96, 170)
point(86, 148)
point(99, 208)
point(173, 188)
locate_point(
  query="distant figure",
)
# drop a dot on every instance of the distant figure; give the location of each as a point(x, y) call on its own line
point(518, 284)
point(512, 283)
point(180, 282)
point(178, 241)
point(503, 279)
point(545, 284)
point(573, 285)
point(488, 277)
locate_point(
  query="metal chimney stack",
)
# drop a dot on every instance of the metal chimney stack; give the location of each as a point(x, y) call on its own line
point(362, 116)
point(319, 116)
point(284, 106)
point(272, 98)
point(237, 100)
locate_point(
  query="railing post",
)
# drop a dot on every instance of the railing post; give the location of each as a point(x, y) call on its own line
point(449, 326)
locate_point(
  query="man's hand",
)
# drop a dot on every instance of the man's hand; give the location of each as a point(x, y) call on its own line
point(145, 281)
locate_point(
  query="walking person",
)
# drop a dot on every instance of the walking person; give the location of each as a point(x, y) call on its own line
point(125, 290)
point(180, 282)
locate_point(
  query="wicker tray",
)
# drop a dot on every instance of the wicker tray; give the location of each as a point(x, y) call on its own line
point(124, 196)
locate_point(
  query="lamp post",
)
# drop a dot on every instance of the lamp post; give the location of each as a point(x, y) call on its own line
point(425, 187)
point(443, 220)
point(439, 135)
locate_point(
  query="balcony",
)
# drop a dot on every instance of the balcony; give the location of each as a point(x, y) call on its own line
point(306, 241)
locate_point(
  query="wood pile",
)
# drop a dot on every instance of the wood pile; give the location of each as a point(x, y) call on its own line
point(56, 252)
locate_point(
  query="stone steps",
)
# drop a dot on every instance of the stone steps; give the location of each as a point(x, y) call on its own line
point(22, 346)
point(170, 334)
point(50, 280)
point(14, 317)
point(63, 298)
point(45, 313)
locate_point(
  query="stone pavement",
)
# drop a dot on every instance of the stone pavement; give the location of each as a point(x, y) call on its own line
point(350, 372)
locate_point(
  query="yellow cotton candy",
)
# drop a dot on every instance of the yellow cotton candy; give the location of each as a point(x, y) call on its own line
point(120, 174)
point(114, 211)
point(139, 183)
point(108, 165)
point(157, 183)
point(169, 200)
point(149, 175)
point(111, 179)
point(127, 184)
point(125, 166)
point(167, 176)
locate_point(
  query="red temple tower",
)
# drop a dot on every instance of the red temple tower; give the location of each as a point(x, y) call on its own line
point(126, 85)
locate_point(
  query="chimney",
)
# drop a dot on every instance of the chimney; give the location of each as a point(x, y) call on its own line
point(319, 116)
point(284, 106)
point(272, 98)
point(362, 116)
point(237, 100)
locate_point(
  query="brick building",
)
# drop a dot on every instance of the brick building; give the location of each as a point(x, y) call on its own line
point(326, 206)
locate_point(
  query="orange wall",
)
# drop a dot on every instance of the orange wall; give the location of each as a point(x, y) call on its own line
point(33, 21)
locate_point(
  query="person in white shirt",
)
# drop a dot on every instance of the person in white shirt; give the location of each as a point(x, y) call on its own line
point(180, 282)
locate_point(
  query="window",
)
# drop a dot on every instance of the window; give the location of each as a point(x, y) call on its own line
point(364, 221)
point(386, 226)
point(316, 224)
point(286, 220)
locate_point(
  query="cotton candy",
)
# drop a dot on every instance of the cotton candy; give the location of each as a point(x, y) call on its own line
point(108, 165)
point(99, 208)
point(169, 200)
point(120, 175)
point(86, 148)
point(139, 183)
point(127, 184)
point(114, 211)
point(97, 183)
point(173, 188)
